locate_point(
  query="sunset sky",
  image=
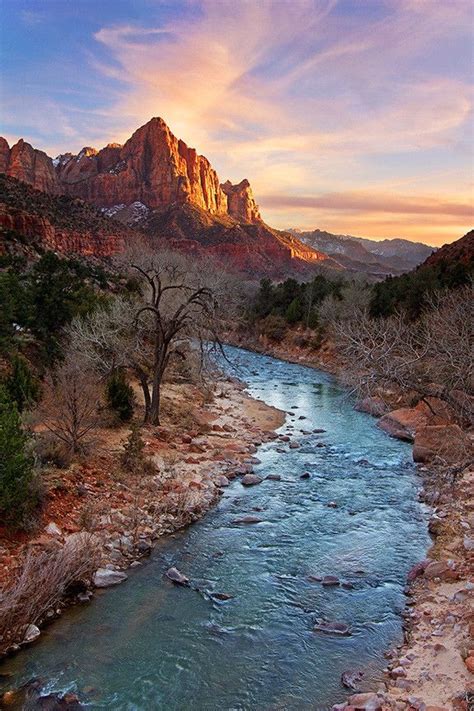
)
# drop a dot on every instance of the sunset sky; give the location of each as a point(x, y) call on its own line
point(354, 116)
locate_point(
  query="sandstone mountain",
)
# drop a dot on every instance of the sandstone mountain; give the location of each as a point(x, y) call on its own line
point(157, 184)
point(388, 256)
point(153, 167)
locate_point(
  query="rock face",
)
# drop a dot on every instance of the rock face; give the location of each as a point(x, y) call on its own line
point(240, 201)
point(446, 442)
point(32, 220)
point(30, 165)
point(462, 250)
point(152, 167)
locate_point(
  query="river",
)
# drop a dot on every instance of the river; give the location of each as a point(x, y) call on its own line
point(147, 644)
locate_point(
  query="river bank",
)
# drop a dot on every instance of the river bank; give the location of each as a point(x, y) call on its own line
point(434, 667)
point(201, 446)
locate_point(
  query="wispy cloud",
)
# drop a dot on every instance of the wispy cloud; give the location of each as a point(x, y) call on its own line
point(370, 202)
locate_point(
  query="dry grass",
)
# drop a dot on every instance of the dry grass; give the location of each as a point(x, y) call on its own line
point(42, 582)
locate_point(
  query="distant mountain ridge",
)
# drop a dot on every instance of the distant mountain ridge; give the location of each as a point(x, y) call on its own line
point(388, 256)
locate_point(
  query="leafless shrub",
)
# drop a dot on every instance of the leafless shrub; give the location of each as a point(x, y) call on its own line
point(432, 355)
point(70, 406)
point(42, 582)
point(354, 298)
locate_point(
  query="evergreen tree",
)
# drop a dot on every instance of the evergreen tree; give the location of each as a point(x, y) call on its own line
point(21, 384)
point(120, 396)
point(17, 496)
point(294, 312)
point(133, 458)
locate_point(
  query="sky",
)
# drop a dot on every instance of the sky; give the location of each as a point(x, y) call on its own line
point(353, 116)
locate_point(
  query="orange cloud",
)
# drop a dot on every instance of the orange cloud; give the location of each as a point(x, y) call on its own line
point(370, 202)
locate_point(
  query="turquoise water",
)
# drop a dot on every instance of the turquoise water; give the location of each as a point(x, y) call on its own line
point(149, 645)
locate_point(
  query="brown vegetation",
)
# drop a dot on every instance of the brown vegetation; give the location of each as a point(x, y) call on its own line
point(43, 580)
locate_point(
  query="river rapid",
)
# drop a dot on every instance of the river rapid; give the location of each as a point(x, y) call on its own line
point(147, 644)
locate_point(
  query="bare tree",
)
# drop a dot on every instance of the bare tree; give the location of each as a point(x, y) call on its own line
point(432, 355)
point(354, 298)
point(70, 405)
point(450, 338)
point(180, 300)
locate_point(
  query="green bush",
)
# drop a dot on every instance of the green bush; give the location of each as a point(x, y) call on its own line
point(18, 494)
point(120, 396)
point(132, 457)
point(294, 312)
point(21, 384)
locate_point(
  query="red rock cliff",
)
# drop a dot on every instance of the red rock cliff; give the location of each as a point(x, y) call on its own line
point(30, 165)
point(153, 167)
point(37, 230)
point(241, 204)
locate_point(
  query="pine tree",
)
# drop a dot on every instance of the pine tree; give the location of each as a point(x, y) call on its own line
point(133, 458)
point(293, 312)
point(120, 396)
point(17, 496)
point(21, 384)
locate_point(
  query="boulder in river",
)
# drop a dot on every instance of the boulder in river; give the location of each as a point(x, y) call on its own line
point(29, 697)
point(177, 577)
point(330, 580)
point(251, 480)
point(339, 629)
point(32, 633)
point(351, 679)
point(104, 578)
point(248, 519)
point(222, 481)
point(221, 596)
point(305, 475)
point(273, 477)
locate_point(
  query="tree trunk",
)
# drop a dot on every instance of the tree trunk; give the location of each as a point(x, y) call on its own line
point(155, 399)
point(146, 396)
